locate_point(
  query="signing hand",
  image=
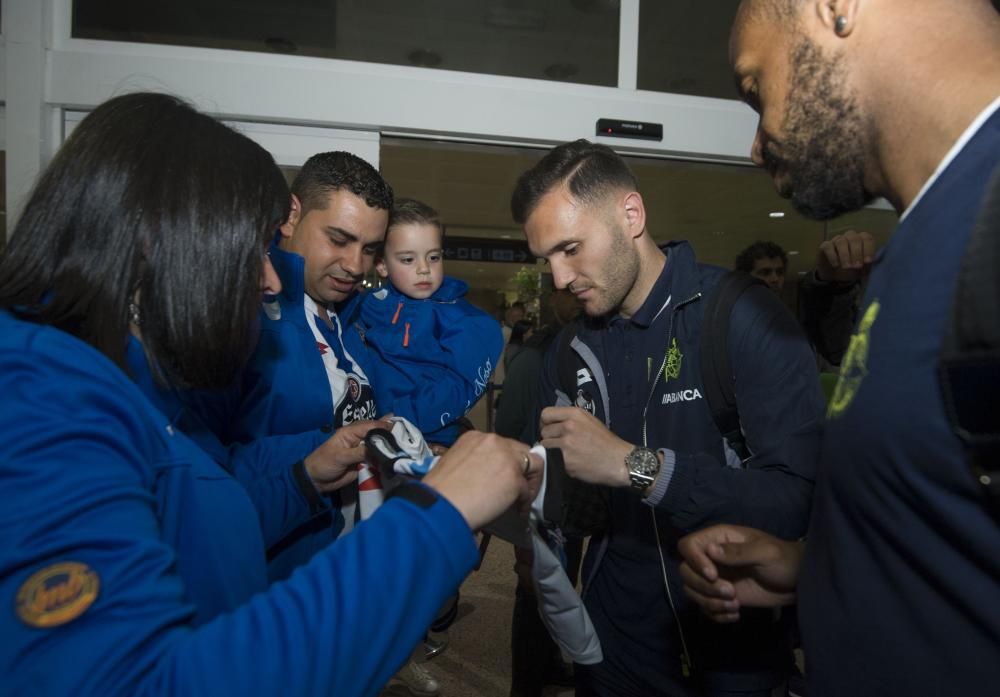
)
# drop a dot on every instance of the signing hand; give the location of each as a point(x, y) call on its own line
point(591, 452)
point(334, 463)
point(846, 257)
point(728, 566)
point(482, 475)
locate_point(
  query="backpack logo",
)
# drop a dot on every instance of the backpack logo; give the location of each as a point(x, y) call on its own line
point(586, 402)
point(672, 368)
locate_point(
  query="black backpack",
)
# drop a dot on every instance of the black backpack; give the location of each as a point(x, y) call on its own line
point(969, 366)
point(580, 508)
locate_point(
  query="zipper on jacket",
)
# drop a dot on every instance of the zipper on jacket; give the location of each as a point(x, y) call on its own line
point(685, 657)
point(663, 363)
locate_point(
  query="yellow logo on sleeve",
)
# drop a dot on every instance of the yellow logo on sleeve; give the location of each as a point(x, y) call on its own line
point(854, 369)
point(57, 594)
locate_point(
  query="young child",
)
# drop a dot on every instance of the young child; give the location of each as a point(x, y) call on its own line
point(427, 351)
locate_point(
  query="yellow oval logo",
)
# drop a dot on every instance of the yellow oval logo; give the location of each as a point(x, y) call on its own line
point(57, 594)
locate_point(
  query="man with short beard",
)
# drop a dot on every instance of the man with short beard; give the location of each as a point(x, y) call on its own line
point(645, 433)
point(897, 582)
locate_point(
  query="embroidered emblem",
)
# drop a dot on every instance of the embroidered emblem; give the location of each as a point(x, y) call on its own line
point(672, 368)
point(854, 368)
point(57, 594)
point(585, 402)
point(353, 388)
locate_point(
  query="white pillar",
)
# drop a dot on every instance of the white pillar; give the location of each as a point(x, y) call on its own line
point(25, 119)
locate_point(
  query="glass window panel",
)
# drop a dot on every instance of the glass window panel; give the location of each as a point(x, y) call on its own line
point(564, 40)
point(684, 47)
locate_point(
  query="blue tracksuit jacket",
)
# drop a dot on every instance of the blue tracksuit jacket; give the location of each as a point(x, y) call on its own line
point(300, 379)
point(265, 467)
point(642, 377)
point(131, 563)
point(429, 360)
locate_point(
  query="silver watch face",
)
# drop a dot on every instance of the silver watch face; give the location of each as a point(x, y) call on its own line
point(643, 462)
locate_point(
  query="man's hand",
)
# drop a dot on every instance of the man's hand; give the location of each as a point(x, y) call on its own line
point(334, 463)
point(846, 257)
point(591, 452)
point(728, 566)
point(482, 475)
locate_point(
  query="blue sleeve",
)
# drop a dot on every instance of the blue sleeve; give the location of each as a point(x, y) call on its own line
point(77, 485)
point(265, 466)
point(266, 469)
point(447, 388)
point(781, 412)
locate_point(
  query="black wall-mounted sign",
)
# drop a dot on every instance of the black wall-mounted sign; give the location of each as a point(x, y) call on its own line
point(482, 249)
point(616, 128)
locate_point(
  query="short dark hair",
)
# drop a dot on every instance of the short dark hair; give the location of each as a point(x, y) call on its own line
point(326, 172)
point(409, 211)
point(149, 198)
point(590, 170)
point(759, 250)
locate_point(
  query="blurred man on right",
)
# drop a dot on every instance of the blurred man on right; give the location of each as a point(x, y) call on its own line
point(898, 580)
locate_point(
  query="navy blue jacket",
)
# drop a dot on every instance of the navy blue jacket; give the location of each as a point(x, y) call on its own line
point(643, 379)
point(899, 587)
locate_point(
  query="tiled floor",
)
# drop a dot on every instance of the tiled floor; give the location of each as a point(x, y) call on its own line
point(477, 661)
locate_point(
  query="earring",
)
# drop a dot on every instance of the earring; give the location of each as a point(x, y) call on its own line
point(133, 314)
point(840, 24)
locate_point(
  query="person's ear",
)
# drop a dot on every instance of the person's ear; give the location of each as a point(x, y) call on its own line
point(635, 214)
point(382, 269)
point(838, 16)
point(294, 216)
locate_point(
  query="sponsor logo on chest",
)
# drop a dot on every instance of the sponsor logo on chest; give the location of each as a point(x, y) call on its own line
point(681, 396)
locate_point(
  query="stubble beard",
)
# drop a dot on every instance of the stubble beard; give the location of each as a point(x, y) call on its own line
point(827, 140)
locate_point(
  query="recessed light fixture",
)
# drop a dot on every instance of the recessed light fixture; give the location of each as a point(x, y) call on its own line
point(792, 253)
point(776, 214)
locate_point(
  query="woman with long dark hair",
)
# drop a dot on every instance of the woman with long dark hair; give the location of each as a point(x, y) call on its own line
point(130, 561)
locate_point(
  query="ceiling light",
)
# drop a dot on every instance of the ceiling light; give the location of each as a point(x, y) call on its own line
point(777, 214)
point(504, 237)
point(792, 253)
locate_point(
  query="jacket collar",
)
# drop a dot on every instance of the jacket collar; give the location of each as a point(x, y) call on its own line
point(677, 283)
point(291, 269)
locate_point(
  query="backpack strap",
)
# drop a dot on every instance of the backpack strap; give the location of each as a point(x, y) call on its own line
point(969, 367)
point(566, 362)
point(713, 350)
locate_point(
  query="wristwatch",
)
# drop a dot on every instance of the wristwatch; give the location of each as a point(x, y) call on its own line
point(643, 465)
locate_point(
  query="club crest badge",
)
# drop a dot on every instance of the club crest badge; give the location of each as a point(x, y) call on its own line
point(57, 594)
